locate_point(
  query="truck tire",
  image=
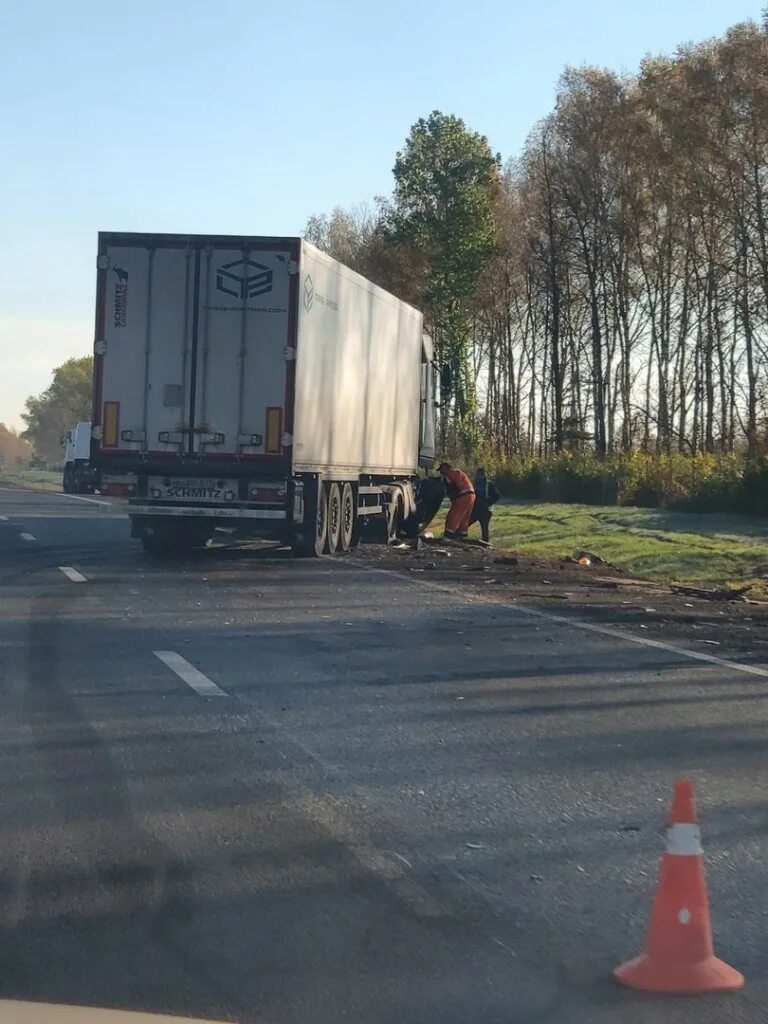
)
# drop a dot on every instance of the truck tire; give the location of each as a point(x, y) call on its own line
point(66, 483)
point(395, 515)
point(429, 498)
point(314, 535)
point(334, 518)
point(350, 534)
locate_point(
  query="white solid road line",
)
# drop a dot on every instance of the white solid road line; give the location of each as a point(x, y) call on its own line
point(574, 623)
point(27, 536)
point(192, 677)
point(77, 497)
point(73, 574)
point(59, 494)
point(660, 645)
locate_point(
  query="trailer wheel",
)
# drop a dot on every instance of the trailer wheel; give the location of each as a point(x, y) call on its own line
point(313, 536)
point(395, 515)
point(349, 531)
point(321, 522)
point(334, 518)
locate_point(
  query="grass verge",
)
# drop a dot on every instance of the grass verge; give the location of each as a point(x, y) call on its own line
point(712, 550)
point(31, 479)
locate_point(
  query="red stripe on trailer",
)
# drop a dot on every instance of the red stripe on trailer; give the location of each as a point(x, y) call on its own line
point(117, 490)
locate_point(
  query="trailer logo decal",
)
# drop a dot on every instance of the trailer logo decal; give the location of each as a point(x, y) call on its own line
point(245, 279)
point(311, 297)
point(120, 313)
point(309, 293)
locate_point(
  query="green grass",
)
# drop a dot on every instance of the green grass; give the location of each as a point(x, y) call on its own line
point(710, 550)
point(32, 479)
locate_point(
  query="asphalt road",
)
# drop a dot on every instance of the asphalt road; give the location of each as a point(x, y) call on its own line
point(342, 795)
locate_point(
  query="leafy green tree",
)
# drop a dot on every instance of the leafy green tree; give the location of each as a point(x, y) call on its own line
point(446, 178)
point(67, 401)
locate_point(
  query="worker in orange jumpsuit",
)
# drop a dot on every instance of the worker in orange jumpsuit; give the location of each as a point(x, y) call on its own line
point(462, 494)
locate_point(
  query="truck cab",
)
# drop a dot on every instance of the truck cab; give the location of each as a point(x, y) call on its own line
point(79, 475)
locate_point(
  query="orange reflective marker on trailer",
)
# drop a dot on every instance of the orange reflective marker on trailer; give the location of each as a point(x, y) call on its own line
point(110, 425)
point(273, 442)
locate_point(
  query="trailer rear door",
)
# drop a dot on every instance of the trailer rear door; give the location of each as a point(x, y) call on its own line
point(193, 346)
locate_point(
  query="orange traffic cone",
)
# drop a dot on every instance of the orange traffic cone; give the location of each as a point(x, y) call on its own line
point(679, 955)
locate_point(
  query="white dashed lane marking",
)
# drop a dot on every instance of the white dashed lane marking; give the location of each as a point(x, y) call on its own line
point(27, 536)
point(73, 574)
point(192, 677)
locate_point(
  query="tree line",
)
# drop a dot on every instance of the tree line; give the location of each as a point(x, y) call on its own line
point(607, 289)
point(15, 452)
point(65, 402)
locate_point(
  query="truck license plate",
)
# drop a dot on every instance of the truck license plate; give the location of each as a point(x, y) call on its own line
point(185, 489)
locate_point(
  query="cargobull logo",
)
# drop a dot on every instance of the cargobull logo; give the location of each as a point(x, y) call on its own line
point(244, 279)
point(120, 312)
point(309, 293)
point(312, 297)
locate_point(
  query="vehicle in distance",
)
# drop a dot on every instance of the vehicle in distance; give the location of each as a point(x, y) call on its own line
point(257, 383)
point(79, 476)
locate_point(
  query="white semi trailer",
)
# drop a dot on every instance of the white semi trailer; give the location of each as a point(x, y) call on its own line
point(255, 382)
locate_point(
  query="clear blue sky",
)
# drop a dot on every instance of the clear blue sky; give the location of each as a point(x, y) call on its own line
point(179, 115)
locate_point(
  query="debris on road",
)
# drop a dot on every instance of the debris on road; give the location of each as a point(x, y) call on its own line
point(673, 612)
point(586, 558)
point(718, 594)
point(628, 581)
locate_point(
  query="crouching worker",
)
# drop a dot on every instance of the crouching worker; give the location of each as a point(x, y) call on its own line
point(462, 495)
point(486, 497)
